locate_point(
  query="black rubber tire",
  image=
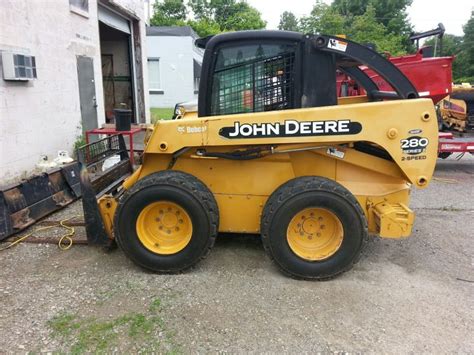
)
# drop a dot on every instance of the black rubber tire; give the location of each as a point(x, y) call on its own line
point(301, 193)
point(182, 189)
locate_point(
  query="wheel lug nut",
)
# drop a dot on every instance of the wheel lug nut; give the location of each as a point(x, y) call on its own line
point(161, 227)
point(320, 218)
point(158, 219)
point(177, 229)
point(180, 221)
point(161, 211)
point(168, 231)
point(323, 226)
point(318, 234)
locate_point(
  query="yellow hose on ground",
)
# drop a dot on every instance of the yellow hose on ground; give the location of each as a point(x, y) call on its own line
point(64, 243)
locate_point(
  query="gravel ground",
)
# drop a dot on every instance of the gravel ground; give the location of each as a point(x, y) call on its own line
point(414, 295)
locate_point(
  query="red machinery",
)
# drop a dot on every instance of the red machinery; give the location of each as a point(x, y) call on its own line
point(448, 145)
point(432, 76)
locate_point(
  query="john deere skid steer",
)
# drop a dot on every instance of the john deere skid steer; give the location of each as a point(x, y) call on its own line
point(271, 151)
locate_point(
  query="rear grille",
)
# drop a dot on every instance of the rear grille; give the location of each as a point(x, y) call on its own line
point(256, 86)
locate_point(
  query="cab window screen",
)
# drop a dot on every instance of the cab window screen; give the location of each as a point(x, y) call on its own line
point(253, 78)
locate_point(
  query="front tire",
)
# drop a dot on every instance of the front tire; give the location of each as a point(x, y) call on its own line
point(313, 228)
point(167, 222)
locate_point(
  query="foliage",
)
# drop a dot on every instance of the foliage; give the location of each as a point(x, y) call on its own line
point(390, 13)
point(168, 13)
point(323, 19)
point(365, 21)
point(204, 27)
point(288, 22)
point(366, 29)
point(384, 23)
point(245, 17)
point(466, 55)
point(208, 16)
point(80, 141)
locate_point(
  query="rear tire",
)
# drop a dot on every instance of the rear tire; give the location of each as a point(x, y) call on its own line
point(313, 228)
point(167, 222)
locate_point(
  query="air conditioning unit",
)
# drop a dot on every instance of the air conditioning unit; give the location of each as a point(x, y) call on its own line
point(18, 67)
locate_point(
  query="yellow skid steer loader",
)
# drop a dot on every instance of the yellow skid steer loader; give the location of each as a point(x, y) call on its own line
point(272, 151)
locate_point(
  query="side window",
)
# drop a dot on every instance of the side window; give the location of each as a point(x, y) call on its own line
point(253, 78)
point(154, 75)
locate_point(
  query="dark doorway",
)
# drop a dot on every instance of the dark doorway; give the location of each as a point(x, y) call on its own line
point(117, 70)
point(87, 97)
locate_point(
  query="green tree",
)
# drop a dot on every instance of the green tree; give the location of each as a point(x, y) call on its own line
point(323, 19)
point(204, 27)
point(390, 13)
point(366, 29)
point(214, 16)
point(288, 22)
point(466, 55)
point(238, 16)
point(168, 13)
point(201, 9)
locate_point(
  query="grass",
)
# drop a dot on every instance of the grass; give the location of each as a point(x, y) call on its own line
point(86, 335)
point(161, 113)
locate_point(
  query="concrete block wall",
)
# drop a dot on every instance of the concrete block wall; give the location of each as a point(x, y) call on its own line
point(43, 116)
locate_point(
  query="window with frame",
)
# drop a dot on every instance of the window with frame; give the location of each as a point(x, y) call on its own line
point(25, 66)
point(154, 77)
point(80, 7)
point(253, 78)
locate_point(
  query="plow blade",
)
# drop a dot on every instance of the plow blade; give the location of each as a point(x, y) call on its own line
point(104, 165)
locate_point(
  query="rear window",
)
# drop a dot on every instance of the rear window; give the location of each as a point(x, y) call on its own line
point(253, 78)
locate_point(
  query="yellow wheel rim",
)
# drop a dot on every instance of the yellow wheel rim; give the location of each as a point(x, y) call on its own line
point(315, 234)
point(164, 227)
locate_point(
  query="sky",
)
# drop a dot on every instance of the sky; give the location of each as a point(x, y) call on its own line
point(424, 14)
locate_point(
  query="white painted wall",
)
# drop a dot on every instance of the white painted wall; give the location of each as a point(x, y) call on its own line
point(176, 66)
point(43, 116)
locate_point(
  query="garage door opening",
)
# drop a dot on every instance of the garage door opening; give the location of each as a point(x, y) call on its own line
point(117, 66)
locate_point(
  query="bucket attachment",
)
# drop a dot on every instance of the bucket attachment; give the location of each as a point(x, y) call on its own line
point(104, 166)
point(25, 203)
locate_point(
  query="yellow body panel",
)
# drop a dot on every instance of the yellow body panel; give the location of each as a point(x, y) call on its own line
point(241, 187)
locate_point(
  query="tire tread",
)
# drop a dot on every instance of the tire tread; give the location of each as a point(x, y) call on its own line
point(300, 186)
point(188, 183)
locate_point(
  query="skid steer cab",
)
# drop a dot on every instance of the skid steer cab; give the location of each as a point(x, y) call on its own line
point(270, 151)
